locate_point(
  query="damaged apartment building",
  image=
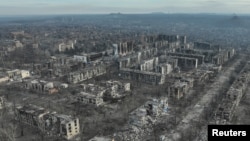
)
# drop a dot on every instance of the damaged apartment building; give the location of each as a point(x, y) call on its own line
point(178, 88)
point(200, 53)
point(49, 123)
point(123, 48)
point(91, 94)
point(108, 90)
point(145, 65)
point(41, 86)
point(150, 71)
point(116, 89)
point(86, 73)
point(18, 74)
point(226, 109)
point(223, 56)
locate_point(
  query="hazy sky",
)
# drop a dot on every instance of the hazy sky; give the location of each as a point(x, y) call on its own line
point(20, 7)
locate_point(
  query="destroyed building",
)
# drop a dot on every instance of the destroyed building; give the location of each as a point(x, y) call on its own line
point(91, 94)
point(150, 71)
point(226, 109)
point(143, 76)
point(49, 123)
point(63, 125)
point(18, 74)
point(201, 76)
point(142, 119)
point(116, 89)
point(86, 73)
point(186, 62)
point(178, 88)
point(41, 86)
point(223, 56)
point(200, 58)
point(64, 46)
point(123, 48)
point(31, 115)
point(146, 113)
point(129, 61)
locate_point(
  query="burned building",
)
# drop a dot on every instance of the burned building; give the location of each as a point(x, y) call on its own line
point(142, 76)
point(148, 112)
point(86, 73)
point(129, 61)
point(116, 89)
point(91, 94)
point(149, 65)
point(147, 53)
point(226, 109)
point(41, 86)
point(199, 57)
point(142, 119)
point(201, 76)
point(31, 115)
point(49, 123)
point(66, 46)
point(57, 124)
point(18, 74)
point(186, 62)
point(123, 48)
point(223, 56)
point(179, 88)
point(151, 71)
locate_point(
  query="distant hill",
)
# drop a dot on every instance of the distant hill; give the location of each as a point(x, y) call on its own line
point(115, 13)
point(158, 13)
point(233, 21)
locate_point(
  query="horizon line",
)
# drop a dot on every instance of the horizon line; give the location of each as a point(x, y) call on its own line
point(124, 13)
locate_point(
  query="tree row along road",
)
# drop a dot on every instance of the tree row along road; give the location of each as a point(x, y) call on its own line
point(197, 110)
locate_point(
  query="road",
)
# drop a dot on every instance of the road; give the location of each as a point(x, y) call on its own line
point(197, 110)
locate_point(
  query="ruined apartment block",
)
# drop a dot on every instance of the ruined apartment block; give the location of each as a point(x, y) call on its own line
point(86, 73)
point(91, 94)
point(225, 111)
point(18, 74)
point(143, 76)
point(49, 123)
point(200, 58)
point(116, 89)
point(68, 126)
point(186, 62)
point(149, 71)
point(66, 46)
point(123, 48)
point(41, 86)
point(129, 61)
point(178, 89)
point(223, 56)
